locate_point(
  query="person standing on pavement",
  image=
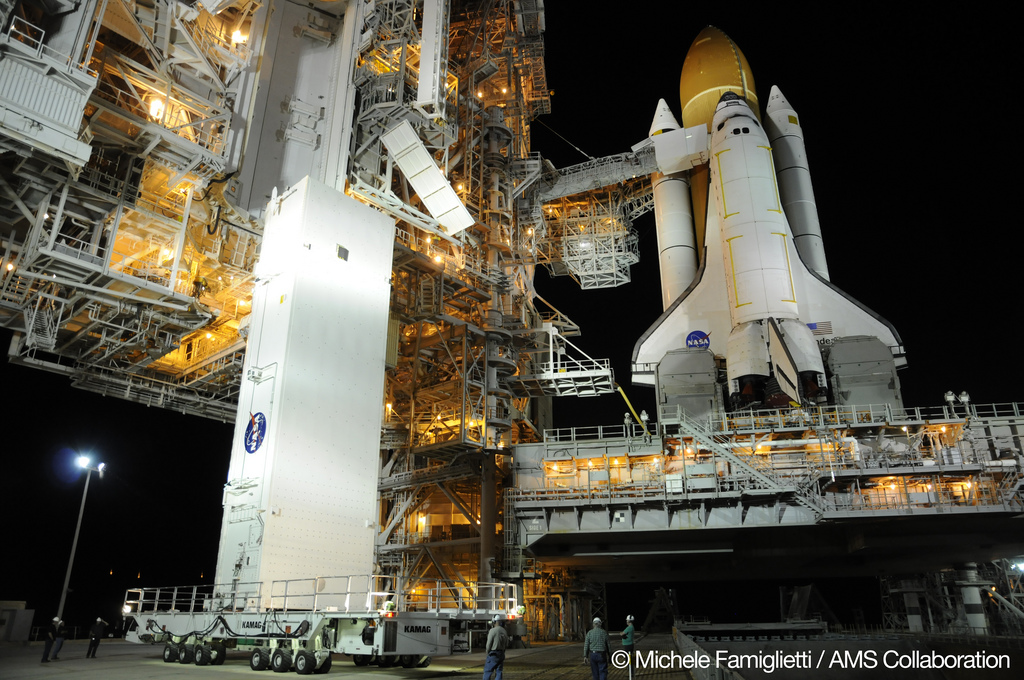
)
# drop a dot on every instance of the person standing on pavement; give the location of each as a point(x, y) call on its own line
point(96, 633)
point(497, 643)
point(50, 634)
point(59, 642)
point(628, 643)
point(595, 650)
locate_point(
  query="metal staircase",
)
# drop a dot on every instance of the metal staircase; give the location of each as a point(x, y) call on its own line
point(762, 479)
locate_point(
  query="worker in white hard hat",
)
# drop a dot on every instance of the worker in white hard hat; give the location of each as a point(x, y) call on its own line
point(595, 650)
point(628, 644)
point(50, 634)
point(59, 641)
point(497, 643)
point(96, 633)
point(627, 635)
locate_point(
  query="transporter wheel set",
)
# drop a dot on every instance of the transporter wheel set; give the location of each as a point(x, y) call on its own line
point(281, 654)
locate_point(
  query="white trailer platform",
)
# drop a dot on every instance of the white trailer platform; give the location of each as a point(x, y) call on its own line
point(297, 624)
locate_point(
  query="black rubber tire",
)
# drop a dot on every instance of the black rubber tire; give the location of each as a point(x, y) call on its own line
point(170, 653)
point(424, 662)
point(259, 660)
point(325, 667)
point(202, 654)
point(305, 662)
point(387, 661)
point(280, 661)
point(185, 654)
point(219, 654)
point(409, 660)
point(360, 659)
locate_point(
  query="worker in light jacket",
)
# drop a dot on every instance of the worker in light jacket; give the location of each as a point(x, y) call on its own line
point(497, 643)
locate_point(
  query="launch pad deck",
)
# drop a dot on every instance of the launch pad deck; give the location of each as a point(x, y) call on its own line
point(119, 660)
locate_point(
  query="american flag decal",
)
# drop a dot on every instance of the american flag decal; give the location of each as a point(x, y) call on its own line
point(821, 328)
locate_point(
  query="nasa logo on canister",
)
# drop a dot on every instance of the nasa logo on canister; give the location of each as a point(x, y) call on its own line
point(698, 340)
point(255, 431)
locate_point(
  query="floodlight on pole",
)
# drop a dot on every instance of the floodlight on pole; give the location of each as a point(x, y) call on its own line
point(85, 463)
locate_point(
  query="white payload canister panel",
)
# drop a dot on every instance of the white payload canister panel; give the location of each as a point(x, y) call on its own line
point(301, 496)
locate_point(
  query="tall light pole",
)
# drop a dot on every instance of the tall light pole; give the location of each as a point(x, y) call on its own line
point(83, 462)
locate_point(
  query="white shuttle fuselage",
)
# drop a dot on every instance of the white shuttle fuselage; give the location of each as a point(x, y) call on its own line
point(766, 338)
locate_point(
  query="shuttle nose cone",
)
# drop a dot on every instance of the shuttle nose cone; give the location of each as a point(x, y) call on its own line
point(714, 65)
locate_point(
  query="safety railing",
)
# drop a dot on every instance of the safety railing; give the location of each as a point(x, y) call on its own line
point(849, 415)
point(378, 593)
point(594, 432)
point(234, 596)
point(31, 38)
point(595, 492)
point(80, 249)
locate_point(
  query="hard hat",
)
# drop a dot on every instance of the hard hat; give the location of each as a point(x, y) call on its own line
point(597, 621)
point(629, 619)
point(496, 618)
point(98, 619)
point(56, 618)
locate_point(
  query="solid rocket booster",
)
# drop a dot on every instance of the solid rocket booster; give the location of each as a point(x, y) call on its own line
point(757, 260)
point(787, 140)
point(677, 249)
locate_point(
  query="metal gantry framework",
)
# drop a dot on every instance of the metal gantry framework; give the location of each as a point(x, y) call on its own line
point(126, 267)
point(467, 331)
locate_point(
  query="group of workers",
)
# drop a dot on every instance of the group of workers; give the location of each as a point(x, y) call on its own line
point(596, 648)
point(54, 639)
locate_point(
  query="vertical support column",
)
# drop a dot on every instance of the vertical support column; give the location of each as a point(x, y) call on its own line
point(913, 605)
point(488, 517)
point(433, 50)
point(970, 593)
point(495, 136)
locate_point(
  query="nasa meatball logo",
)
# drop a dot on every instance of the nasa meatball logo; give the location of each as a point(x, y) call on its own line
point(698, 340)
point(255, 431)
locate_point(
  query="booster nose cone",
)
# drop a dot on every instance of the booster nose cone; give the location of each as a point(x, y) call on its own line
point(663, 119)
point(713, 65)
point(776, 101)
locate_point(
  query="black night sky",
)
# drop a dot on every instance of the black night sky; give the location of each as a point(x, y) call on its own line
point(910, 130)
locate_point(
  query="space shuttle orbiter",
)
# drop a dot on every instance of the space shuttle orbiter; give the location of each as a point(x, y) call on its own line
point(760, 298)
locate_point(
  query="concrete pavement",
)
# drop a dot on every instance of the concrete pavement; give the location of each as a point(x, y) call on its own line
point(119, 660)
